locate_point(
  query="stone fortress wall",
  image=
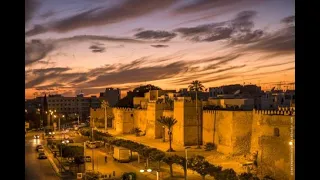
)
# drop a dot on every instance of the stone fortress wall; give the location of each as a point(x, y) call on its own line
point(265, 132)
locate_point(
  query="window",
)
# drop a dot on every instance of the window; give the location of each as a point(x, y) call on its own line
point(276, 132)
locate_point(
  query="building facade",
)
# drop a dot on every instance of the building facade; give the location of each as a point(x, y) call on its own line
point(77, 106)
point(111, 95)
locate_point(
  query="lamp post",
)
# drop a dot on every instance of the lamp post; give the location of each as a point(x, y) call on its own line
point(60, 122)
point(54, 127)
point(38, 112)
point(164, 133)
point(66, 143)
point(186, 151)
point(105, 105)
point(92, 139)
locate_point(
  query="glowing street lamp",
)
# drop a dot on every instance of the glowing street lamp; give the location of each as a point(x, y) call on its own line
point(149, 171)
point(290, 143)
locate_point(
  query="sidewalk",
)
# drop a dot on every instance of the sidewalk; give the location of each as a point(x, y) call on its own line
point(107, 168)
point(213, 157)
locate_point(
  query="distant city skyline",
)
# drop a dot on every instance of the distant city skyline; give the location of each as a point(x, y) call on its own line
point(90, 45)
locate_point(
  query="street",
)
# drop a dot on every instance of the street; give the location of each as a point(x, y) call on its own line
point(36, 169)
point(111, 165)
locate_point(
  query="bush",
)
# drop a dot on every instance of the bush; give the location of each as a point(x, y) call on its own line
point(209, 146)
point(268, 178)
point(247, 176)
point(126, 176)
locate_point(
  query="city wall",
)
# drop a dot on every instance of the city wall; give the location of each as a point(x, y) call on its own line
point(233, 132)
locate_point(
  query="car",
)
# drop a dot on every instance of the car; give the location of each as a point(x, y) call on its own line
point(42, 155)
point(91, 145)
point(40, 150)
point(39, 147)
point(36, 136)
point(70, 160)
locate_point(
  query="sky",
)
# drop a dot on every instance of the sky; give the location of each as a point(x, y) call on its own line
point(74, 46)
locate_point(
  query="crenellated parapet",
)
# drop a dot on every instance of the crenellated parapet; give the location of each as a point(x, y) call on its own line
point(280, 111)
point(124, 109)
point(209, 111)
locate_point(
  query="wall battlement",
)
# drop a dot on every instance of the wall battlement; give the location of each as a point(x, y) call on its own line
point(124, 109)
point(280, 111)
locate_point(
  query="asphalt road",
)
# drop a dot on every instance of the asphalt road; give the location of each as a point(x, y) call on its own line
point(36, 169)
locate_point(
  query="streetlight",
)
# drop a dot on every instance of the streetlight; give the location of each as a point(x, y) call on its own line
point(149, 171)
point(186, 151)
point(63, 142)
point(78, 118)
point(164, 133)
point(290, 143)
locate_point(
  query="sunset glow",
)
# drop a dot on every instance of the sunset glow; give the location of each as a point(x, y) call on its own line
point(82, 45)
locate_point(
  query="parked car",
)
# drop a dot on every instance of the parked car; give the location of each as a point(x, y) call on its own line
point(70, 160)
point(91, 145)
point(40, 150)
point(42, 155)
point(39, 147)
point(36, 136)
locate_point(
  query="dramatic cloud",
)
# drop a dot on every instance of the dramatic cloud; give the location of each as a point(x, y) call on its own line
point(140, 74)
point(50, 70)
point(30, 7)
point(288, 20)
point(100, 38)
point(102, 15)
point(275, 65)
point(280, 41)
point(47, 14)
point(159, 46)
point(201, 5)
point(239, 29)
point(97, 49)
point(36, 50)
point(155, 35)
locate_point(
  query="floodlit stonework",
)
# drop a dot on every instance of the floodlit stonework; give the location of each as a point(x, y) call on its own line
point(234, 132)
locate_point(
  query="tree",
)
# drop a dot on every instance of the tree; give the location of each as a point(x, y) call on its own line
point(197, 86)
point(146, 151)
point(157, 156)
point(247, 176)
point(169, 102)
point(227, 174)
point(78, 160)
point(70, 151)
point(200, 165)
point(169, 122)
point(170, 161)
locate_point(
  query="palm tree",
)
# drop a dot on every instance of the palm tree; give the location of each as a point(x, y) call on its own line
point(169, 122)
point(197, 86)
